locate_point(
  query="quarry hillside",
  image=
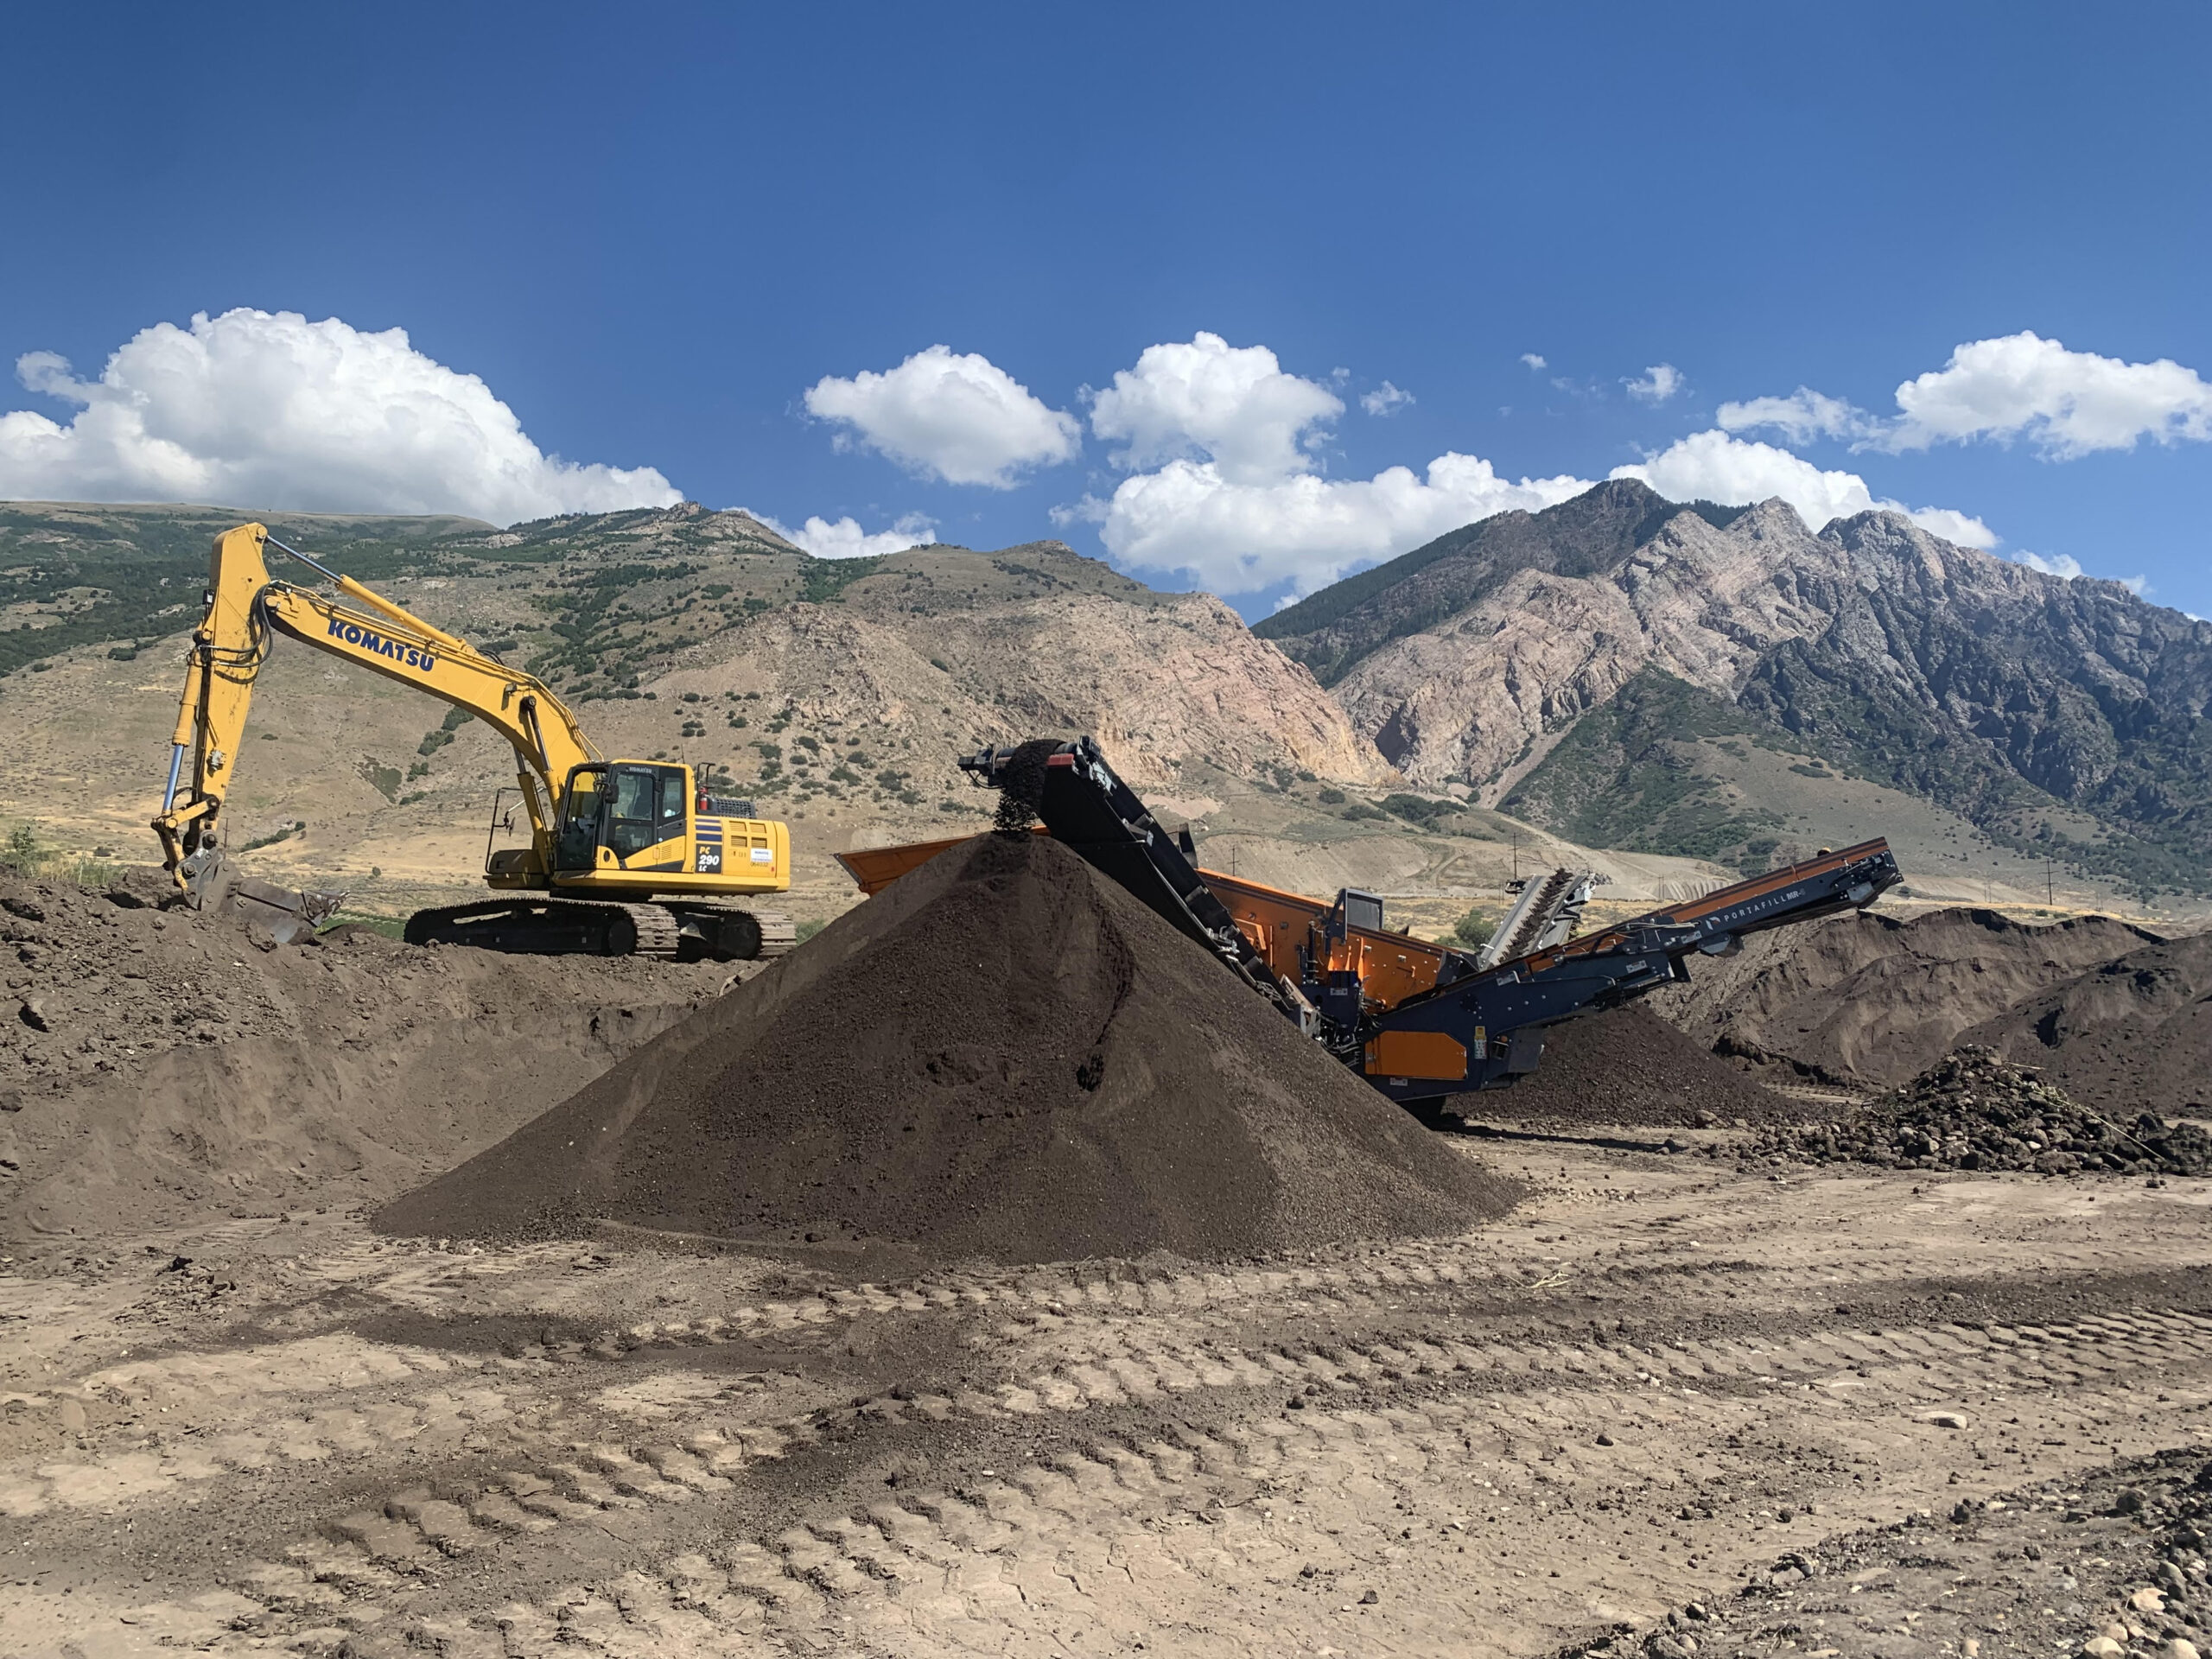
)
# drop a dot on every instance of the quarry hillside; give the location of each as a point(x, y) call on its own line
point(1671, 695)
point(1711, 681)
point(835, 693)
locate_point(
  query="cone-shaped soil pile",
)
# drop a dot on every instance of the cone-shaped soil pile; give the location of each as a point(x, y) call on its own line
point(1002, 1055)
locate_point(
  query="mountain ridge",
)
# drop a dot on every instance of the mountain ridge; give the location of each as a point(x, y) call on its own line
point(2057, 717)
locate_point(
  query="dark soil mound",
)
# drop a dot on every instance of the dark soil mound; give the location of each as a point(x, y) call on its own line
point(1628, 1066)
point(1976, 1111)
point(2131, 1035)
point(1871, 999)
point(1002, 1055)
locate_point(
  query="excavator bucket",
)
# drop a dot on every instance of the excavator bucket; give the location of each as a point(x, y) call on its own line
point(211, 883)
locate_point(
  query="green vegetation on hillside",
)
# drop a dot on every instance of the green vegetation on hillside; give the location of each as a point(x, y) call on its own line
point(1623, 778)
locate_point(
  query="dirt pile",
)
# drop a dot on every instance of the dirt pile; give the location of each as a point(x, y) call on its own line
point(1868, 998)
point(1628, 1066)
point(2130, 1034)
point(1975, 1111)
point(158, 1063)
point(1002, 1055)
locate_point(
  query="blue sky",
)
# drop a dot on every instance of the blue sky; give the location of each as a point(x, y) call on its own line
point(650, 233)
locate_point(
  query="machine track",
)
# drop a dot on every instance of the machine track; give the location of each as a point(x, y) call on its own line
point(538, 925)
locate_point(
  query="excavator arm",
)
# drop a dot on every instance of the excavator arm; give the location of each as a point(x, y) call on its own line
point(245, 606)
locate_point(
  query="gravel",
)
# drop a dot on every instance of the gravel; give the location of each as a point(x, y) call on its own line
point(1975, 1111)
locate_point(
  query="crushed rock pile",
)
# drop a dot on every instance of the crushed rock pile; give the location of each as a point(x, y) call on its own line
point(1628, 1066)
point(157, 1063)
point(1002, 1055)
point(1976, 1111)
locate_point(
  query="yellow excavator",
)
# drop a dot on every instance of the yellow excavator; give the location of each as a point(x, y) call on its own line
point(625, 858)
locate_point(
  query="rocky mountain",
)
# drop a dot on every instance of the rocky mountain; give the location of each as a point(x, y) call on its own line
point(1620, 665)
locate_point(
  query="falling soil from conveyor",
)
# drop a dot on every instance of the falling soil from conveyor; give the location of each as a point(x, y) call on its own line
point(1004, 1056)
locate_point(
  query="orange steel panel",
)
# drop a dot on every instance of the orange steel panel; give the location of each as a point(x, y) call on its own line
point(874, 869)
point(1417, 1054)
point(1392, 966)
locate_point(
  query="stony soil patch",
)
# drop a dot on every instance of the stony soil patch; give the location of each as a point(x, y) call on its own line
point(1976, 1111)
point(2109, 1567)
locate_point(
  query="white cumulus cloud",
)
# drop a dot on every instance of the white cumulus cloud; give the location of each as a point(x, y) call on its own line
point(1734, 471)
point(949, 415)
point(1802, 415)
point(2018, 387)
point(1233, 498)
point(268, 409)
point(1242, 538)
point(1656, 385)
point(1535, 362)
point(1385, 399)
point(2064, 566)
point(1234, 406)
point(2068, 404)
point(844, 538)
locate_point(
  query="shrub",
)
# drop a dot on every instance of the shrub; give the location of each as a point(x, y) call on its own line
point(1474, 929)
point(23, 853)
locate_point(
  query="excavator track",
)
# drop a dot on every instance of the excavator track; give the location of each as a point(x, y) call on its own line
point(653, 932)
point(544, 926)
point(728, 934)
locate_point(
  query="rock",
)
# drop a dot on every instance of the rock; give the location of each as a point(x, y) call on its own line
point(2101, 1647)
point(2147, 1600)
point(1605, 1439)
point(32, 1013)
point(2128, 1503)
point(1948, 1420)
point(1975, 1111)
point(2180, 1648)
point(1369, 1599)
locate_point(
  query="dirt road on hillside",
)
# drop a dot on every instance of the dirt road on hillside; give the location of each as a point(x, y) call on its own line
point(1663, 1382)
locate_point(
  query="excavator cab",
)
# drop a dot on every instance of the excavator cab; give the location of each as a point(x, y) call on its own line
point(627, 807)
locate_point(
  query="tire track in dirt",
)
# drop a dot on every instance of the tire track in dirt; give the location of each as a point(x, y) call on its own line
point(1490, 1392)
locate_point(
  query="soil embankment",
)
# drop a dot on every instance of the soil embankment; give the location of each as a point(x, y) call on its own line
point(1869, 999)
point(1628, 1066)
point(161, 1063)
point(1002, 1056)
point(2130, 1034)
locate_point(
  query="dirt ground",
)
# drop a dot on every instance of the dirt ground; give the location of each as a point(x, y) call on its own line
point(1669, 1403)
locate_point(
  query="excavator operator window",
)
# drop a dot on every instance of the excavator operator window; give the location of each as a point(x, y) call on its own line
point(649, 807)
